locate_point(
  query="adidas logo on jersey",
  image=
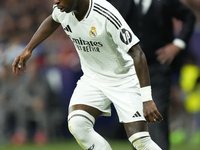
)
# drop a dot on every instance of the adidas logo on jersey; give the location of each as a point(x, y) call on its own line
point(137, 114)
point(67, 28)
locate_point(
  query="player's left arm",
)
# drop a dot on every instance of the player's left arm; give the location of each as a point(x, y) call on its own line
point(150, 110)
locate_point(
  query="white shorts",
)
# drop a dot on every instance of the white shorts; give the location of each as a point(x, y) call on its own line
point(125, 98)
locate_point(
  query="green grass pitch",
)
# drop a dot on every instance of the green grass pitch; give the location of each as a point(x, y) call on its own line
point(72, 145)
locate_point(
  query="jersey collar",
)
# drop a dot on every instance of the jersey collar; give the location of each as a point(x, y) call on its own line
point(89, 9)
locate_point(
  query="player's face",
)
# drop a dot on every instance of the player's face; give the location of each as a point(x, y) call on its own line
point(66, 5)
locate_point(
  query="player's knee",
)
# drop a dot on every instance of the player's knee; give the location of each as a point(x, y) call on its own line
point(80, 123)
point(143, 141)
point(75, 125)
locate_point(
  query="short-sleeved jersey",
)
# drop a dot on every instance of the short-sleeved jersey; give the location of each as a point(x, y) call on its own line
point(102, 39)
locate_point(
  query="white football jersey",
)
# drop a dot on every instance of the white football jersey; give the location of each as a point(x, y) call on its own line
point(102, 39)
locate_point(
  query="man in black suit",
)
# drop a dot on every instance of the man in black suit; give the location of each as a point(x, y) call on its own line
point(152, 22)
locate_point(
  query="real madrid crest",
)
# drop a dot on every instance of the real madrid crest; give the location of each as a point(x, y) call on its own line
point(93, 32)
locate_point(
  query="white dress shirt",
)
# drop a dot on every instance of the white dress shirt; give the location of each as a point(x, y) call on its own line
point(145, 5)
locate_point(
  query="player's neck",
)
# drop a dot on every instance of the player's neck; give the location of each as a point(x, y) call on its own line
point(82, 8)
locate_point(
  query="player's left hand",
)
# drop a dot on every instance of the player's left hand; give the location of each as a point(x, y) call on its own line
point(151, 112)
point(166, 54)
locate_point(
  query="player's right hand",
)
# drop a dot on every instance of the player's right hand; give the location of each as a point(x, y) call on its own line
point(151, 112)
point(19, 64)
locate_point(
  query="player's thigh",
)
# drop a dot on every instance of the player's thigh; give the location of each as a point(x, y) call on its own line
point(90, 98)
point(135, 127)
point(91, 110)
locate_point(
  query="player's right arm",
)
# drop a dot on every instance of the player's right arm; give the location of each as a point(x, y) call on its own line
point(150, 110)
point(47, 27)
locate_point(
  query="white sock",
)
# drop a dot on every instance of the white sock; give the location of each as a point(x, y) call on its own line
point(143, 141)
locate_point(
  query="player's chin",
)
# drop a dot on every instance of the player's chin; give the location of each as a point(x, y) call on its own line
point(66, 10)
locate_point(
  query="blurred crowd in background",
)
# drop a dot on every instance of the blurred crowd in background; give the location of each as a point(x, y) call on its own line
point(34, 106)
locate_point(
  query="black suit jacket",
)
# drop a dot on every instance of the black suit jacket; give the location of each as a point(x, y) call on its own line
point(155, 28)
